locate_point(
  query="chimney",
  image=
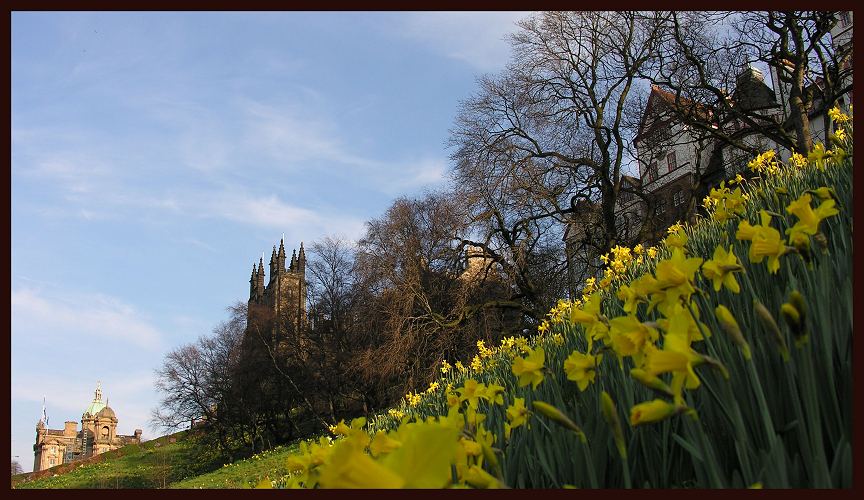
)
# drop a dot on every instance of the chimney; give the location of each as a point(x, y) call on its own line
point(70, 428)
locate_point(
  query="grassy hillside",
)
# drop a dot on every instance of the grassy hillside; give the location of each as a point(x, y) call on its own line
point(246, 473)
point(152, 464)
point(167, 462)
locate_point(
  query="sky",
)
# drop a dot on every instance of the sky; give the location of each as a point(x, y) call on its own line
point(156, 156)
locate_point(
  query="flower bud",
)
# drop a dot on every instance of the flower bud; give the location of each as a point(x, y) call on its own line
point(558, 417)
point(822, 241)
point(611, 416)
point(651, 381)
point(793, 318)
point(651, 411)
point(768, 323)
point(730, 326)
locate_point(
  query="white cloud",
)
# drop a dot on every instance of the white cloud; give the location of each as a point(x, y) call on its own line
point(477, 38)
point(295, 135)
point(429, 172)
point(74, 175)
point(82, 316)
point(263, 211)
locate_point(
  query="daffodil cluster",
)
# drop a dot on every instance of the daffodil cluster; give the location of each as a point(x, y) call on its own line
point(656, 332)
point(723, 203)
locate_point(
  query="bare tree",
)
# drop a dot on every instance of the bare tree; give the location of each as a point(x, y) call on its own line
point(553, 129)
point(705, 55)
point(16, 467)
point(196, 380)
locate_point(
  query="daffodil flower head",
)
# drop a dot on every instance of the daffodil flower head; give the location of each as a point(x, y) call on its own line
point(581, 368)
point(530, 369)
point(720, 269)
point(765, 241)
point(517, 414)
point(809, 219)
point(798, 160)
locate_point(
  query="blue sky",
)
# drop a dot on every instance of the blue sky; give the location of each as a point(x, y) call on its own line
point(156, 156)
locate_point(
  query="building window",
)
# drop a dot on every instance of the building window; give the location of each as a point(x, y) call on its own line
point(845, 20)
point(51, 462)
point(660, 206)
point(678, 198)
point(652, 171)
point(671, 161)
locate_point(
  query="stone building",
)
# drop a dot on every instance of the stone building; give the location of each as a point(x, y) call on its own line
point(98, 434)
point(678, 165)
point(284, 296)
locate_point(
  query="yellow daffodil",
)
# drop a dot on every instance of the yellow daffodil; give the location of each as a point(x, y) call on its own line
point(581, 368)
point(494, 394)
point(809, 219)
point(765, 241)
point(720, 269)
point(471, 391)
point(530, 369)
point(676, 237)
point(382, 444)
point(837, 115)
point(517, 415)
point(479, 478)
point(629, 336)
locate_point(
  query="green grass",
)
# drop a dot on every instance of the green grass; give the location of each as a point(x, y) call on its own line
point(152, 464)
point(244, 473)
point(157, 464)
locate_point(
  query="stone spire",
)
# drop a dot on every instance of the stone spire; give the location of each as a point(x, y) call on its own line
point(259, 285)
point(294, 260)
point(273, 261)
point(253, 282)
point(280, 257)
point(301, 260)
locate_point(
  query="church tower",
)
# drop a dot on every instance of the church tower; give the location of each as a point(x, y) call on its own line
point(285, 292)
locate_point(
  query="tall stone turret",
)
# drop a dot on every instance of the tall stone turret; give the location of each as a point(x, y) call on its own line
point(285, 292)
point(273, 264)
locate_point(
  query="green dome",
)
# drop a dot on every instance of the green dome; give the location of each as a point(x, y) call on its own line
point(97, 403)
point(95, 407)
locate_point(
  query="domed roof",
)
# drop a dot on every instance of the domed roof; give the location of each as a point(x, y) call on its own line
point(106, 412)
point(96, 405)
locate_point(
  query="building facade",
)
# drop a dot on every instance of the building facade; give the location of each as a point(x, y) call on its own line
point(97, 435)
